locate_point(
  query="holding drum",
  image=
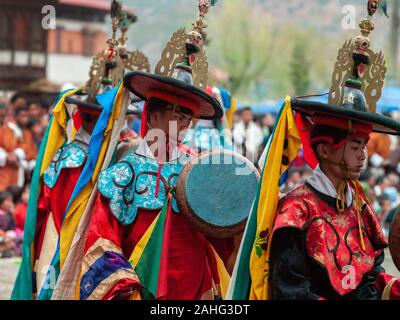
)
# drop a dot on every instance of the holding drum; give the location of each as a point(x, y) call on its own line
point(215, 192)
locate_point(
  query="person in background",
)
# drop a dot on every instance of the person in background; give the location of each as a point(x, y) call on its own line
point(7, 221)
point(7, 225)
point(386, 207)
point(26, 137)
point(294, 180)
point(22, 122)
point(45, 113)
point(379, 147)
point(21, 205)
point(267, 126)
point(393, 160)
point(16, 193)
point(248, 136)
point(18, 100)
point(11, 154)
point(34, 110)
point(37, 131)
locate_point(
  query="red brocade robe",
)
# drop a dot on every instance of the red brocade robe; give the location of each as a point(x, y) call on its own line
point(189, 268)
point(317, 253)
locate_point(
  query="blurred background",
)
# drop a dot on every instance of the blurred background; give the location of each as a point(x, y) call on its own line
point(259, 50)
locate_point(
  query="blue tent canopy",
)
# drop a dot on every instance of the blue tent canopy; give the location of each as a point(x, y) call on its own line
point(390, 100)
point(263, 108)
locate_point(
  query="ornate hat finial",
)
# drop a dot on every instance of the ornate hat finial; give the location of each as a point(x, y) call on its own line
point(184, 52)
point(359, 73)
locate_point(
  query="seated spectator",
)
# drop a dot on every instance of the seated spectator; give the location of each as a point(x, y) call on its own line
point(34, 110)
point(10, 153)
point(7, 221)
point(16, 193)
point(21, 209)
point(7, 225)
point(37, 130)
point(6, 245)
point(386, 207)
point(18, 100)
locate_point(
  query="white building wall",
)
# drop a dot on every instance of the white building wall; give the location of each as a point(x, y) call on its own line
point(72, 68)
point(73, 25)
point(68, 68)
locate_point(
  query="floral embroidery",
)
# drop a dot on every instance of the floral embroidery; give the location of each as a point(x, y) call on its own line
point(261, 243)
point(342, 221)
point(71, 155)
point(332, 240)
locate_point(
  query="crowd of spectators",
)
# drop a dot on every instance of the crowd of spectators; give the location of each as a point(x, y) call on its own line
point(22, 124)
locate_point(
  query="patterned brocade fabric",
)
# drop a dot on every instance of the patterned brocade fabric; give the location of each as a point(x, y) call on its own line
point(332, 238)
point(71, 155)
point(130, 184)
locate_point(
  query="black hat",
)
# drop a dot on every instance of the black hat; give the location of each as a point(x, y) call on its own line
point(174, 91)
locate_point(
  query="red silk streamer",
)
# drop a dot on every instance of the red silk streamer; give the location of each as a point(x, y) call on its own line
point(162, 289)
point(304, 128)
point(77, 119)
point(143, 123)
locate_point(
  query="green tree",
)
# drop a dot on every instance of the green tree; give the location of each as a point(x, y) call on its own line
point(252, 46)
point(300, 68)
point(242, 43)
point(394, 12)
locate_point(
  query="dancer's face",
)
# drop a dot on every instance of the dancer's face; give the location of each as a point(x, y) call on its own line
point(172, 122)
point(353, 153)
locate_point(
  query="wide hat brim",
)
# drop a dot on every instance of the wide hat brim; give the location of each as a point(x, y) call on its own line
point(80, 100)
point(141, 83)
point(378, 122)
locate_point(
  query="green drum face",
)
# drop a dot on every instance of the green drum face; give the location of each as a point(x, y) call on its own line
point(215, 192)
point(394, 240)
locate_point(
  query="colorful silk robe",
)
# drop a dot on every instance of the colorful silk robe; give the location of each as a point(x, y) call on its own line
point(137, 239)
point(59, 181)
point(114, 103)
point(54, 138)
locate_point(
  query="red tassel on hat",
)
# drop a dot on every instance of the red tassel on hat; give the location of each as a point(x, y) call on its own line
point(304, 127)
point(77, 119)
point(143, 123)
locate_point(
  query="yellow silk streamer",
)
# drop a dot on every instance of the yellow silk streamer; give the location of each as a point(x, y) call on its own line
point(283, 149)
